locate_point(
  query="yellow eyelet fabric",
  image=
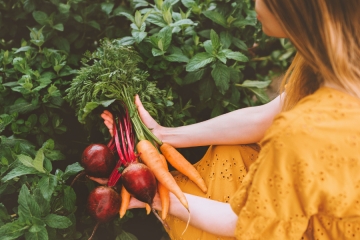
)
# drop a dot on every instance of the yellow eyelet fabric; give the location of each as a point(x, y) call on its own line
point(223, 170)
point(305, 183)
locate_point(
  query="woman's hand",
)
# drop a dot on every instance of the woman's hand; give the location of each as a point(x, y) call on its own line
point(108, 121)
point(147, 119)
point(101, 181)
point(144, 115)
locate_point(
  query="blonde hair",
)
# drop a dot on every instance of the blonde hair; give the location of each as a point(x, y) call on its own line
point(326, 35)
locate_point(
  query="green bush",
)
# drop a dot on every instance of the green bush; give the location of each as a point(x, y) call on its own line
point(199, 50)
point(209, 56)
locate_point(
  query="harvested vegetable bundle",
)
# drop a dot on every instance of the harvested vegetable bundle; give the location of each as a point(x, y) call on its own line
point(112, 80)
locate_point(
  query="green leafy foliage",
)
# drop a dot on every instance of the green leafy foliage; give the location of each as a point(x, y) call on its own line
point(39, 191)
point(201, 59)
point(200, 50)
point(112, 73)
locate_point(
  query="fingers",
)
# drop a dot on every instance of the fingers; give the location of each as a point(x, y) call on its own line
point(144, 114)
point(139, 105)
point(134, 203)
point(102, 181)
point(108, 121)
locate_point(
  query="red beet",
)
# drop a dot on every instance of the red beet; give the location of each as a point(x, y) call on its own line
point(98, 160)
point(103, 204)
point(140, 182)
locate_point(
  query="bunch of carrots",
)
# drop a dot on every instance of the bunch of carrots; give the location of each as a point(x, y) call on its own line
point(111, 77)
point(156, 156)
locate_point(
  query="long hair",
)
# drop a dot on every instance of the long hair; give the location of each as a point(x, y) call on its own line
point(326, 34)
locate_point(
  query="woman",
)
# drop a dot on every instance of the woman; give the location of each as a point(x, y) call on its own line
point(305, 182)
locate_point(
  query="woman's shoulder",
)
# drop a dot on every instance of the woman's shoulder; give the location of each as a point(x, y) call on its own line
point(327, 113)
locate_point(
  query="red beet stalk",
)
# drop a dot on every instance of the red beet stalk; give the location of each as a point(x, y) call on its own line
point(124, 139)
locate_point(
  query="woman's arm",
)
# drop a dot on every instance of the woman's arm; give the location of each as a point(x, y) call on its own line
point(243, 126)
point(208, 215)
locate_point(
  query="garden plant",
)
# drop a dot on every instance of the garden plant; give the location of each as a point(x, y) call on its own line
point(206, 57)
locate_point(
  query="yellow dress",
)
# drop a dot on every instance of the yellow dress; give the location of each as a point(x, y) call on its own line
point(304, 184)
point(223, 170)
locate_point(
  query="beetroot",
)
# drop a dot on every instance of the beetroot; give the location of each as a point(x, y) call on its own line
point(98, 160)
point(140, 182)
point(103, 204)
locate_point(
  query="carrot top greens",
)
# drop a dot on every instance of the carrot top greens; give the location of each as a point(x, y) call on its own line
point(110, 76)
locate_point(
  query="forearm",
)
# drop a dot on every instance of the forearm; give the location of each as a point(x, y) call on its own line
point(242, 126)
point(208, 215)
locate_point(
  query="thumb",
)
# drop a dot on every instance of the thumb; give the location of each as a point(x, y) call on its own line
point(144, 114)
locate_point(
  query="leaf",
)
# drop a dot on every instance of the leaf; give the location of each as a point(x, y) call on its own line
point(72, 170)
point(222, 57)
point(221, 75)
point(189, 3)
point(209, 47)
point(94, 24)
point(89, 107)
point(62, 43)
point(28, 208)
point(78, 18)
point(42, 202)
point(260, 94)
point(35, 228)
point(57, 221)
point(244, 22)
point(54, 155)
point(39, 161)
point(238, 56)
point(156, 52)
point(23, 107)
point(225, 39)
point(43, 119)
point(107, 7)
point(12, 230)
point(26, 160)
point(138, 36)
point(240, 44)
point(126, 41)
point(40, 17)
point(177, 58)
point(182, 22)
point(128, 16)
point(59, 27)
point(64, 8)
point(165, 35)
point(41, 234)
point(198, 61)
point(216, 17)
point(215, 40)
point(4, 216)
point(216, 111)
point(69, 198)
point(206, 89)
point(194, 76)
point(254, 83)
point(19, 171)
point(47, 185)
point(156, 20)
point(25, 49)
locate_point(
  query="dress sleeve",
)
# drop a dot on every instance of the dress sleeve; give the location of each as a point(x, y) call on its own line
point(279, 194)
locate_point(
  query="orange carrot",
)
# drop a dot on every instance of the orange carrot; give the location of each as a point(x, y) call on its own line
point(164, 194)
point(148, 208)
point(125, 200)
point(182, 165)
point(151, 157)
